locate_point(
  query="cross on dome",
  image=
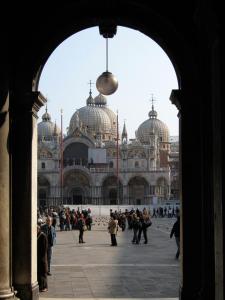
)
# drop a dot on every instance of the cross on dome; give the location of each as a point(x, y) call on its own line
point(90, 83)
point(152, 113)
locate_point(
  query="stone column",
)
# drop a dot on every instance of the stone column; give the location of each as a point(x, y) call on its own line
point(6, 291)
point(218, 49)
point(197, 241)
point(24, 194)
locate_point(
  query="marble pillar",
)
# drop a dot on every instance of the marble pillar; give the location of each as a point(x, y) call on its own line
point(6, 290)
point(24, 194)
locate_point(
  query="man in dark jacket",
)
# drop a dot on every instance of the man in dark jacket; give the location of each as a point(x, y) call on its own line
point(50, 232)
point(176, 232)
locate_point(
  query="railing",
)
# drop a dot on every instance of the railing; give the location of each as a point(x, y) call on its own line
point(127, 170)
point(102, 170)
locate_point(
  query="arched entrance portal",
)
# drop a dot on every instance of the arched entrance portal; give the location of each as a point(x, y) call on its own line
point(77, 195)
point(43, 191)
point(112, 191)
point(113, 196)
point(138, 188)
point(76, 188)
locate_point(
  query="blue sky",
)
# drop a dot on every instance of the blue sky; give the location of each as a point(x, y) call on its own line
point(140, 65)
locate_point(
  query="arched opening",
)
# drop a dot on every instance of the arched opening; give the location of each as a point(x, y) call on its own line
point(76, 154)
point(77, 195)
point(198, 65)
point(43, 191)
point(137, 160)
point(138, 191)
point(113, 196)
point(76, 188)
point(112, 191)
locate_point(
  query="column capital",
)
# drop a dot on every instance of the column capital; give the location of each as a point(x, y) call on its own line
point(176, 98)
point(30, 102)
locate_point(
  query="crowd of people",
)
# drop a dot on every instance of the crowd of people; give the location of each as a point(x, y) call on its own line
point(168, 212)
point(66, 219)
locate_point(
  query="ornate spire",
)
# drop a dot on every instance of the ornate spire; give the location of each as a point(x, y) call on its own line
point(152, 114)
point(90, 100)
point(55, 133)
point(124, 133)
point(100, 100)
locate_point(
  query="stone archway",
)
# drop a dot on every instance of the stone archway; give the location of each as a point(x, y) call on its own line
point(43, 191)
point(138, 189)
point(199, 65)
point(112, 191)
point(76, 187)
point(77, 195)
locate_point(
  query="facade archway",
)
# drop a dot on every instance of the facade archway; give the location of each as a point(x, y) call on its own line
point(198, 65)
point(77, 195)
point(43, 191)
point(112, 191)
point(76, 188)
point(76, 154)
point(138, 190)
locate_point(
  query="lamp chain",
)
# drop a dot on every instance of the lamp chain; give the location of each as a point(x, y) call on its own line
point(106, 54)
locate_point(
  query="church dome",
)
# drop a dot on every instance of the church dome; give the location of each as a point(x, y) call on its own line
point(47, 129)
point(113, 119)
point(152, 126)
point(93, 118)
point(100, 100)
point(90, 100)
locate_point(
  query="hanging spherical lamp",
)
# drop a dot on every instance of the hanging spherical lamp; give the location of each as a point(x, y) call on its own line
point(107, 83)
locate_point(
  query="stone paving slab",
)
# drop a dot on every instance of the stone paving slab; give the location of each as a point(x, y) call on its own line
point(95, 270)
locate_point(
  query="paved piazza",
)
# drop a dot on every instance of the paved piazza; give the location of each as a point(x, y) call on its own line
point(97, 270)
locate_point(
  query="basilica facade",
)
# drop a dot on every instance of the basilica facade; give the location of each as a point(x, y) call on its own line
point(94, 163)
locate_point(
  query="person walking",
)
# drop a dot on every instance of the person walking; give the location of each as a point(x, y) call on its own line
point(135, 225)
point(42, 261)
point(112, 228)
point(145, 221)
point(80, 225)
point(50, 232)
point(176, 232)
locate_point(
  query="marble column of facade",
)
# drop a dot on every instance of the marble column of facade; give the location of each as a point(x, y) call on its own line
point(24, 194)
point(6, 290)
